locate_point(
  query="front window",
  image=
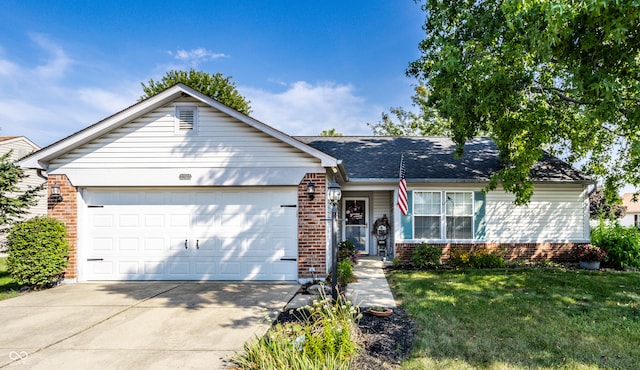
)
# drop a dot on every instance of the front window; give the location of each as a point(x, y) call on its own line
point(459, 215)
point(427, 211)
point(443, 215)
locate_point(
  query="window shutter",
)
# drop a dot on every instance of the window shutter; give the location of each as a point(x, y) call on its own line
point(480, 225)
point(406, 222)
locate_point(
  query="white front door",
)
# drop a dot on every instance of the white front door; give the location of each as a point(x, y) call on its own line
point(355, 212)
point(195, 234)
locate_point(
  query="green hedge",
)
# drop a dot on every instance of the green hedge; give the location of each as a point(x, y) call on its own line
point(477, 259)
point(38, 251)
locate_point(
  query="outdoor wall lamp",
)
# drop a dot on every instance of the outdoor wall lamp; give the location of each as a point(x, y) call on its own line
point(334, 193)
point(311, 190)
point(56, 196)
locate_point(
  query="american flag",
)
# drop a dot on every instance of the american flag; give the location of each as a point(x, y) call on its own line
point(402, 188)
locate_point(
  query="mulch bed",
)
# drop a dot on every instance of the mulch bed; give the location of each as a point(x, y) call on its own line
point(386, 341)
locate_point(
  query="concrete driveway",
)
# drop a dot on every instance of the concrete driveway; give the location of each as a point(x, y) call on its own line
point(136, 325)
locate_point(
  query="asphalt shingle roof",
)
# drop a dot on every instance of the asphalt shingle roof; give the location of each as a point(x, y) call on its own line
point(429, 158)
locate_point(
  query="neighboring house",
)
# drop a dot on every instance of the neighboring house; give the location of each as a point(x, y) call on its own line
point(20, 147)
point(180, 186)
point(632, 217)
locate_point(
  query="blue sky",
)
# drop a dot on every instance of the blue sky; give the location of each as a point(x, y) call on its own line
point(306, 66)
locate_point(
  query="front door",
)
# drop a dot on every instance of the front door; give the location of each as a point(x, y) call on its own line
point(356, 215)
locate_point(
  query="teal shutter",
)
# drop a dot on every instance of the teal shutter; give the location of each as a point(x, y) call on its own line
point(480, 225)
point(406, 222)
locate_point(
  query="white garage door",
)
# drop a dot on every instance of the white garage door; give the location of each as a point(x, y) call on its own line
point(230, 234)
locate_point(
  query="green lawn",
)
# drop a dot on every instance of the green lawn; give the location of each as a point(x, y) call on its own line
point(8, 287)
point(522, 318)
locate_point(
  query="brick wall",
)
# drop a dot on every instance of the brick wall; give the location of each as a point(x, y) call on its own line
point(558, 252)
point(67, 212)
point(312, 227)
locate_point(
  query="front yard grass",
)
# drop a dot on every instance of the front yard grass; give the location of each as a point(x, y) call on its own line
point(8, 287)
point(522, 318)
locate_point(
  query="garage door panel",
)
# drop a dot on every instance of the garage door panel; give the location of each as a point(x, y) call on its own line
point(206, 269)
point(231, 234)
point(103, 221)
point(103, 244)
point(154, 220)
point(128, 244)
point(128, 267)
point(152, 244)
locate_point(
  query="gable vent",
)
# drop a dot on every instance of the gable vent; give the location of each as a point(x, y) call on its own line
point(186, 118)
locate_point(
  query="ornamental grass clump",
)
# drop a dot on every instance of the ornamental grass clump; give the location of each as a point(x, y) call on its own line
point(590, 253)
point(324, 338)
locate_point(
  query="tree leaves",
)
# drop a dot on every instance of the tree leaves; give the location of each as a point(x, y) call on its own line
point(551, 75)
point(215, 86)
point(14, 202)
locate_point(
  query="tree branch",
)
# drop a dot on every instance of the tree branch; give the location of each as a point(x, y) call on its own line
point(562, 95)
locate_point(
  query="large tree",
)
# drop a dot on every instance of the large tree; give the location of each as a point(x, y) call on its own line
point(216, 86)
point(14, 203)
point(555, 75)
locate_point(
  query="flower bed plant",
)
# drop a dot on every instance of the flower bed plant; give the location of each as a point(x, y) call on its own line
point(590, 253)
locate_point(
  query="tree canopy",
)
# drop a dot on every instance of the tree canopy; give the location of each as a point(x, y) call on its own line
point(216, 86)
point(408, 123)
point(330, 132)
point(552, 75)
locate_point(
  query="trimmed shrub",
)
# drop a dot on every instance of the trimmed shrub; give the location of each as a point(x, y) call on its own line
point(426, 256)
point(622, 244)
point(38, 251)
point(477, 259)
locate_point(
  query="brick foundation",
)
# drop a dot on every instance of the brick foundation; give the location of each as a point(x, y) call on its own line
point(559, 252)
point(67, 212)
point(312, 227)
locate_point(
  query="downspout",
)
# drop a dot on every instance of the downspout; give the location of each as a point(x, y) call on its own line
point(40, 175)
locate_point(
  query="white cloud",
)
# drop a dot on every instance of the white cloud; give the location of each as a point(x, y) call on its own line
point(58, 63)
point(195, 57)
point(41, 103)
point(306, 109)
point(44, 103)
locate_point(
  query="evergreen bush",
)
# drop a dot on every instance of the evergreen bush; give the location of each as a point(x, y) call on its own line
point(38, 251)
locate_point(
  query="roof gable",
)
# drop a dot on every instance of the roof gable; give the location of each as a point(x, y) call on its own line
point(43, 157)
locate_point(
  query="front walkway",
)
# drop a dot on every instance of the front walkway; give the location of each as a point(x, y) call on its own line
point(371, 288)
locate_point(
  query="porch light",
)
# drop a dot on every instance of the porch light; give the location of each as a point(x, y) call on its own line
point(56, 196)
point(311, 190)
point(334, 193)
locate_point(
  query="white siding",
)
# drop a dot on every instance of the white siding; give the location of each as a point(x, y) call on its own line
point(149, 145)
point(21, 148)
point(555, 214)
